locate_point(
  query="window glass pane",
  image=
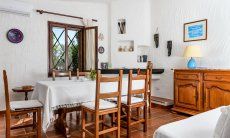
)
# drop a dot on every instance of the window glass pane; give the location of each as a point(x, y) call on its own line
point(73, 49)
point(58, 48)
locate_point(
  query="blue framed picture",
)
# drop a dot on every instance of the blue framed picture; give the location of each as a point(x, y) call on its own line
point(196, 31)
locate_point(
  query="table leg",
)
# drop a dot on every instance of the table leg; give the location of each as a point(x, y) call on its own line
point(26, 96)
point(60, 122)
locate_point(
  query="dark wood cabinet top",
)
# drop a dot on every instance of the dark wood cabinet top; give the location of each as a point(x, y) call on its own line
point(202, 70)
point(126, 71)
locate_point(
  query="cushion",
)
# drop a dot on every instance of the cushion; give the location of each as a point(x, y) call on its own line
point(222, 129)
point(198, 126)
point(124, 99)
point(17, 105)
point(102, 105)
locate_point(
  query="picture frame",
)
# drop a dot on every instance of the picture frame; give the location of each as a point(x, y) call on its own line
point(101, 50)
point(196, 31)
point(104, 65)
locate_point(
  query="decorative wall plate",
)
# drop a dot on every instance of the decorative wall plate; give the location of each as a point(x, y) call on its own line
point(15, 35)
point(101, 49)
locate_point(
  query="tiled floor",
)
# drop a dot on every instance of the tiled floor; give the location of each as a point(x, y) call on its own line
point(159, 117)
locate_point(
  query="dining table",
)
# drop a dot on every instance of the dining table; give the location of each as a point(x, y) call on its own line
point(61, 95)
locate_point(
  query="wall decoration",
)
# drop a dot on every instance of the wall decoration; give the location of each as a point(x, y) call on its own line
point(15, 36)
point(196, 31)
point(104, 65)
point(126, 49)
point(101, 37)
point(101, 49)
point(142, 58)
point(169, 47)
point(120, 49)
point(121, 26)
point(156, 40)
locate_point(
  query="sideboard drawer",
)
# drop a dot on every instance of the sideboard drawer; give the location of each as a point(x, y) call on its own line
point(216, 77)
point(187, 76)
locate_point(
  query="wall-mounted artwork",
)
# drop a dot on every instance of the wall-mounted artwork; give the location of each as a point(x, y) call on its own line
point(196, 31)
point(169, 47)
point(101, 37)
point(104, 65)
point(142, 58)
point(101, 49)
point(15, 36)
point(121, 26)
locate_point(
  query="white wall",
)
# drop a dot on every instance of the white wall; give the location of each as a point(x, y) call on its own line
point(26, 62)
point(137, 15)
point(169, 16)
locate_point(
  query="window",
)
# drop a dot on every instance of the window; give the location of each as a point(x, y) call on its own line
point(67, 47)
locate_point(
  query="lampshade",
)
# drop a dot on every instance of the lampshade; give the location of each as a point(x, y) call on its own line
point(192, 51)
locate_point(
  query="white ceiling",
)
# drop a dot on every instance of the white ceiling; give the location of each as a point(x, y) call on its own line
point(103, 1)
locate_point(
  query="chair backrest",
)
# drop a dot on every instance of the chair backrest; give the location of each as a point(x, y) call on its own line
point(108, 94)
point(78, 73)
point(150, 68)
point(7, 100)
point(138, 77)
point(56, 73)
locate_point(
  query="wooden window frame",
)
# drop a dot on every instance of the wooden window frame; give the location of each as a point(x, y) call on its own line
point(82, 45)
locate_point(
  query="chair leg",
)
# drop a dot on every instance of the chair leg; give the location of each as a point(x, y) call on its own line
point(103, 118)
point(149, 103)
point(128, 122)
point(78, 117)
point(118, 125)
point(96, 126)
point(145, 118)
point(70, 116)
point(39, 123)
point(83, 115)
point(34, 120)
point(7, 128)
point(138, 113)
point(112, 119)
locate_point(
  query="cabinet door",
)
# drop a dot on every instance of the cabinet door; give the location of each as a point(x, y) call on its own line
point(216, 94)
point(188, 94)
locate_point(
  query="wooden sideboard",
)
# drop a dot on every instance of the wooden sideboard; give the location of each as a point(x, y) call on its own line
point(199, 90)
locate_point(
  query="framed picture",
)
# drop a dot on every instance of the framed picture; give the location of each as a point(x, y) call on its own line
point(104, 65)
point(196, 31)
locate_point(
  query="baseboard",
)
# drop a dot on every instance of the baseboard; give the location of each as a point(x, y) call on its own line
point(161, 106)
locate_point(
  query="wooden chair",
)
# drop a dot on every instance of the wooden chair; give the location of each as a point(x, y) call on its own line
point(56, 73)
point(78, 73)
point(139, 72)
point(101, 107)
point(16, 108)
point(130, 102)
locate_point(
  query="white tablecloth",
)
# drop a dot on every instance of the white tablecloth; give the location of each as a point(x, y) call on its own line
point(70, 93)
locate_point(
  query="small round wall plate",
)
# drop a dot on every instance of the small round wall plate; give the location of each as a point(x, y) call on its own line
point(15, 35)
point(101, 50)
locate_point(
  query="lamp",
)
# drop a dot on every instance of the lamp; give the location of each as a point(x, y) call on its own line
point(192, 51)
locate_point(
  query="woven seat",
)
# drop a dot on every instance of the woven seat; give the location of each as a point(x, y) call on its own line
point(134, 100)
point(19, 105)
point(103, 105)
